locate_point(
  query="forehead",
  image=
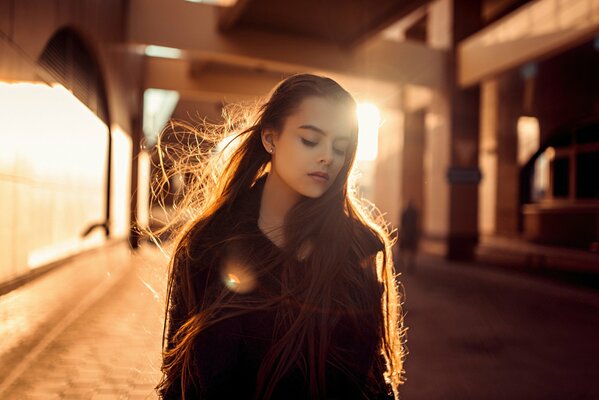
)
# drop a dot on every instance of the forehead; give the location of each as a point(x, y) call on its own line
point(332, 117)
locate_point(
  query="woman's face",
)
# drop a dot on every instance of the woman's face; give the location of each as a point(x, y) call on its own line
point(311, 149)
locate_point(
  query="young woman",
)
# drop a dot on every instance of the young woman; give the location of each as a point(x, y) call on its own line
point(281, 286)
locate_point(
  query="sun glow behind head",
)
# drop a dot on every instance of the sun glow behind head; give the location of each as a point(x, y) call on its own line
point(369, 120)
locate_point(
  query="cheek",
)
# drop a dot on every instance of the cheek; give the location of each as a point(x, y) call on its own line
point(290, 160)
point(337, 166)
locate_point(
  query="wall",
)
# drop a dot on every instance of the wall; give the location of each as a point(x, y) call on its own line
point(53, 161)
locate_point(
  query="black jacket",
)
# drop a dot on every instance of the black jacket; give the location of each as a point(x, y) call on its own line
point(229, 354)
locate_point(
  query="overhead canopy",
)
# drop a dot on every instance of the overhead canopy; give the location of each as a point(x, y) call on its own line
point(241, 51)
point(342, 22)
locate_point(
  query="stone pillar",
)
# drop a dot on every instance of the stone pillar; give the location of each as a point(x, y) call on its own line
point(463, 170)
point(487, 193)
point(435, 215)
point(413, 152)
point(509, 109)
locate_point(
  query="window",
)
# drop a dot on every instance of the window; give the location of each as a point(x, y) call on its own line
point(561, 175)
point(568, 167)
point(587, 175)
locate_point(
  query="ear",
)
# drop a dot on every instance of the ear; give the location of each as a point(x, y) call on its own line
point(269, 140)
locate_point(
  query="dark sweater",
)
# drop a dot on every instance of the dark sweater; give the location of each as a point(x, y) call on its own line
point(228, 354)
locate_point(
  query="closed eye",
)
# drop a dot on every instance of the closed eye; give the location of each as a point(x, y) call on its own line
point(309, 143)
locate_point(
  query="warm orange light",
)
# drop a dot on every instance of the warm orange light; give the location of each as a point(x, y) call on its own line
point(369, 119)
point(56, 149)
point(529, 135)
point(143, 192)
point(237, 276)
point(233, 279)
point(121, 182)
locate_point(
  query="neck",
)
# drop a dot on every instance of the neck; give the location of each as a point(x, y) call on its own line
point(277, 199)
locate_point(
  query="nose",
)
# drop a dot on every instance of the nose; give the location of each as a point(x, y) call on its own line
point(326, 157)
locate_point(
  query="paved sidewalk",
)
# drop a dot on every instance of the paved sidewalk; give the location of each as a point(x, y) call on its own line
point(474, 333)
point(477, 332)
point(112, 349)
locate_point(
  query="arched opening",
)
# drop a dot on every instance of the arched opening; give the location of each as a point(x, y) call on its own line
point(67, 58)
point(57, 146)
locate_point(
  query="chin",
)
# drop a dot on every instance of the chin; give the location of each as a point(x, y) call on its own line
point(313, 192)
point(307, 188)
point(313, 195)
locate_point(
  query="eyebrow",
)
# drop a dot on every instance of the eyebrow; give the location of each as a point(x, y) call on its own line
point(318, 130)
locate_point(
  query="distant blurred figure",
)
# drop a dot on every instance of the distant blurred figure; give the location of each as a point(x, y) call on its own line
point(409, 236)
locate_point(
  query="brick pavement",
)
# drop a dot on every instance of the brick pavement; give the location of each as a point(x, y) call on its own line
point(475, 333)
point(38, 310)
point(111, 351)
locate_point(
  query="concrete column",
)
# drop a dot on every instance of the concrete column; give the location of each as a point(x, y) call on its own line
point(464, 132)
point(463, 184)
point(435, 215)
point(413, 153)
point(487, 193)
point(509, 109)
point(451, 173)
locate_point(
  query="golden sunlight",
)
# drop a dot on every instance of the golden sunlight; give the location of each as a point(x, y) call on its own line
point(369, 119)
point(162, 52)
point(236, 276)
point(54, 154)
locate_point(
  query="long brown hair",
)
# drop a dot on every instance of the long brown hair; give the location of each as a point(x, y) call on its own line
point(347, 273)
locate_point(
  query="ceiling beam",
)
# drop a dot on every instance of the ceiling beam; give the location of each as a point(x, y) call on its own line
point(368, 19)
point(209, 85)
point(535, 31)
point(399, 10)
point(197, 33)
point(207, 82)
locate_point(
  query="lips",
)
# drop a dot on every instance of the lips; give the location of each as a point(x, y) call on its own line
point(322, 175)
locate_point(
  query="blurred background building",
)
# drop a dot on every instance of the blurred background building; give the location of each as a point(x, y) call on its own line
point(485, 114)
